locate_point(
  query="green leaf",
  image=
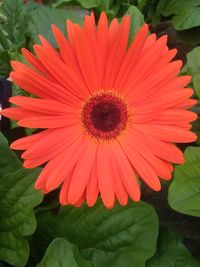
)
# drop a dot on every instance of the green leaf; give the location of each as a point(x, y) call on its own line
point(17, 200)
point(193, 60)
point(9, 161)
point(16, 21)
point(13, 32)
point(192, 67)
point(123, 236)
point(3, 40)
point(196, 125)
point(5, 64)
point(184, 191)
point(186, 13)
point(171, 252)
point(42, 18)
point(137, 20)
point(196, 82)
point(102, 5)
point(62, 253)
point(162, 6)
point(84, 3)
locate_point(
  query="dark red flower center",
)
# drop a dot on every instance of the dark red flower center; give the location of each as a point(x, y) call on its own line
point(105, 115)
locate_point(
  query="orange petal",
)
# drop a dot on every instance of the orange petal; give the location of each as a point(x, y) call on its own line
point(45, 106)
point(48, 121)
point(35, 62)
point(81, 200)
point(63, 197)
point(175, 116)
point(158, 79)
point(168, 133)
point(143, 68)
point(131, 56)
point(59, 168)
point(187, 104)
point(92, 190)
point(117, 53)
point(86, 60)
point(16, 113)
point(90, 33)
point(62, 73)
point(38, 85)
point(126, 172)
point(163, 101)
point(163, 150)
point(133, 142)
point(142, 166)
point(120, 190)
point(51, 141)
point(82, 172)
point(25, 142)
point(105, 175)
point(102, 41)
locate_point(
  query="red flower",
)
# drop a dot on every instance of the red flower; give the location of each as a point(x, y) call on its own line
point(111, 113)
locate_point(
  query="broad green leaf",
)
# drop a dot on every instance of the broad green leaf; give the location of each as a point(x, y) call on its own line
point(102, 5)
point(192, 67)
point(123, 236)
point(137, 20)
point(62, 253)
point(171, 252)
point(17, 200)
point(9, 161)
point(193, 60)
point(16, 21)
point(162, 5)
point(196, 82)
point(84, 3)
point(13, 32)
point(186, 12)
point(196, 124)
point(184, 191)
point(42, 19)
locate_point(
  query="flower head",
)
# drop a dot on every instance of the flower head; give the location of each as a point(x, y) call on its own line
point(110, 113)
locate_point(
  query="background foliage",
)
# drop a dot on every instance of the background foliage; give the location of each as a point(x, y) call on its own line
point(161, 231)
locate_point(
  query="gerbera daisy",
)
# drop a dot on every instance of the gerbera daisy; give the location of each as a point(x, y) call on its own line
point(111, 113)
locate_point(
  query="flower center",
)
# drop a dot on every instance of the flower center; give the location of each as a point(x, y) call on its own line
point(105, 115)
